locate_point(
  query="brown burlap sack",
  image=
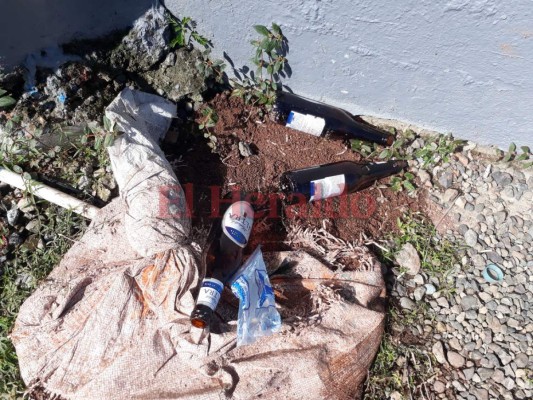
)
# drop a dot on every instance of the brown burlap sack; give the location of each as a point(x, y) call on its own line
point(112, 319)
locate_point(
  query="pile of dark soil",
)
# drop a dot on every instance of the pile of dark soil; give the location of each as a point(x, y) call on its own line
point(207, 175)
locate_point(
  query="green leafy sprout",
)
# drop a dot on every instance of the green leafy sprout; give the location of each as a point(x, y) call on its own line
point(270, 61)
point(6, 100)
point(184, 33)
point(513, 155)
point(208, 121)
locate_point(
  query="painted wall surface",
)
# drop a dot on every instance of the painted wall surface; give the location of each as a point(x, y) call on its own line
point(30, 25)
point(461, 66)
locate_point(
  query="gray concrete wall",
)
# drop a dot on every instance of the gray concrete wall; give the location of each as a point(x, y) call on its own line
point(453, 66)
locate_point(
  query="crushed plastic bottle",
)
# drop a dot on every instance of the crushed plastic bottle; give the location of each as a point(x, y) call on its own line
point(258, 315)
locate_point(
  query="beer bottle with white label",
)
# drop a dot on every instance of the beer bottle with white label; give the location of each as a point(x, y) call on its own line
point(223, 257)
point(318, 119)
point(329, 180)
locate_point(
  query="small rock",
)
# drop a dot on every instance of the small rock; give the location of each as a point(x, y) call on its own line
point(407, 303)
point(25, 205)
point(424, 176)
point(509, 383)
point(12, 216)
point(33, 226)
point(504, 357)
point(521, 360)
point(502, 179)
point(462, 159)
point(430, 289)
point(485, 373)
point(450, 195)
point(103, 193)
point(395, 396)
point(481, 394)
point(14, 239)
point(438, 352)
point(469, 303)
point(471, 238)
point(439, 387)
point(245, 149)
point(419, 293)
point(409, 259)
point(500, 217)
point(446, 179)
point(468, 373)
point(443, 303)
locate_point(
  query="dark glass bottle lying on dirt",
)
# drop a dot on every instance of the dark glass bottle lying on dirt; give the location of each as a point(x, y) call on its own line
point(223, 257)
point(318, 119)
point(329, 180)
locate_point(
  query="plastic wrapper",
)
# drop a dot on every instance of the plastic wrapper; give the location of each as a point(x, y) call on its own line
point(257, 306)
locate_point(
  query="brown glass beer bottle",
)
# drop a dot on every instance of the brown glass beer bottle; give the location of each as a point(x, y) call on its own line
point(227, 239)
point(318, 119)
point(329, 180)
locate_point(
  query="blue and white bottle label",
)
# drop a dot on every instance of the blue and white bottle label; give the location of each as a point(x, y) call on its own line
point(210, 293)
point(327, 187)
point(306, 123)
point(238, 221)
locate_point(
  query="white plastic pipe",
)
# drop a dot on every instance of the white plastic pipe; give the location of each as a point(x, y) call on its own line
point(47, 193)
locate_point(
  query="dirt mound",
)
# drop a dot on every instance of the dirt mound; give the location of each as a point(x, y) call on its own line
point(276, 149)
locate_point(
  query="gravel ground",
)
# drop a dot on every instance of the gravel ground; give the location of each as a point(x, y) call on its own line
point(483, 331)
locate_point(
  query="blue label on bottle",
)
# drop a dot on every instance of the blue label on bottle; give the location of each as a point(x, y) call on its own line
point(290, 117)
point(213, 285)
point(237, 235)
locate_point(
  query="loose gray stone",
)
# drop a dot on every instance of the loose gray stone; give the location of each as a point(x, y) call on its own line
point(504, 357)
point(485, 373)
point(450, 195)
point(409, 259)
point(33, 226)
point(500, 217)
point(498, 376)
point(502, 179)
point(481, 394)
point(446, 179)
point(424, 176)
point(245, 149)
point(471, 238)
point(407, 303)
point(439, 387)
point(418, 279)
point(509, 383)
point(469, 302)
point(419, 293)
point(25, 205)
point(14, 239)
point(521, 360)
point(468, 373)
point(458, 386)
point(12, 216)
point(454, 344)
point(442, 302)
point(430, 289)
point(438, 352)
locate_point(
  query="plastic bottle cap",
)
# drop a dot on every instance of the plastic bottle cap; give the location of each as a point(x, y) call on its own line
point(493, 274)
